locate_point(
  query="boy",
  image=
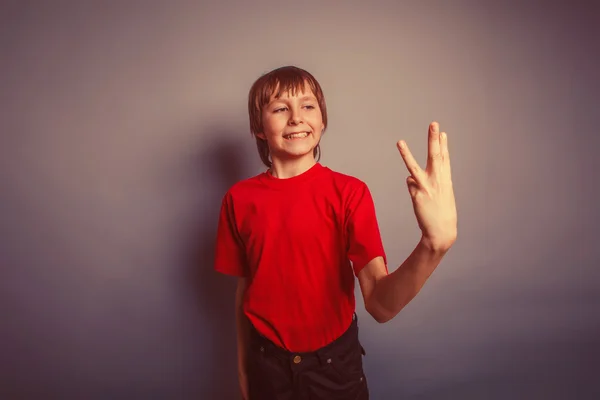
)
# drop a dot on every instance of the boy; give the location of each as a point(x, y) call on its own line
point(297, 235)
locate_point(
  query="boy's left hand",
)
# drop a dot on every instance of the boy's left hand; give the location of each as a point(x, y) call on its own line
point(431, 191)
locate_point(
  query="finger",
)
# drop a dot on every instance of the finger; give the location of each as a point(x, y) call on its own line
point(410, 162)
point(445, 155)
point(434, 154)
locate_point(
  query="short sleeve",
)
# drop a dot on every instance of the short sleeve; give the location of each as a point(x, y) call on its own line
point(363, 236)
point(230, 257)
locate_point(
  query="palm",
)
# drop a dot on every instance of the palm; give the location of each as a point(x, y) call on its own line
point(431, 190)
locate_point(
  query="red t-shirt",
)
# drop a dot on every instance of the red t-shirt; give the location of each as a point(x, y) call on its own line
point(294, 240)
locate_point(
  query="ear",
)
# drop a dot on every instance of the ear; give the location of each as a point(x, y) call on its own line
point(261, 135)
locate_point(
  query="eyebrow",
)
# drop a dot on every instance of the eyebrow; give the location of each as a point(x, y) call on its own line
point(303, 98)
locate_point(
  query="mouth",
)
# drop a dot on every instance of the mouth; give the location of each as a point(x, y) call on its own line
point(296, 135)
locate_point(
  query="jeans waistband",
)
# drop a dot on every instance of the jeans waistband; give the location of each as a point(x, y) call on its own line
point(346, 340)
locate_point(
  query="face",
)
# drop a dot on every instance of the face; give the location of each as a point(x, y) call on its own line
point(292, 125)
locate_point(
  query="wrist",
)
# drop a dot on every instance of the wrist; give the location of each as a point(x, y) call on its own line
point(432, 247)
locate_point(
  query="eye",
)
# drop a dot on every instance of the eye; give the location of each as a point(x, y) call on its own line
point(279, 109)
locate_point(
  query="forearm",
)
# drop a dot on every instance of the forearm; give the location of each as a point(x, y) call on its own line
point(394, 291)
point(243, 329)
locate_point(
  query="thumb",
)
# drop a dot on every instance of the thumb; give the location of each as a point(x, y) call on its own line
point(413, 186)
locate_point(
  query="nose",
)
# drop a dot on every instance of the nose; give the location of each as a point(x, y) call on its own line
point(295, 118)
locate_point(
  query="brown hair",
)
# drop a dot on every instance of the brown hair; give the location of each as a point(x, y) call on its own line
point(284, 79)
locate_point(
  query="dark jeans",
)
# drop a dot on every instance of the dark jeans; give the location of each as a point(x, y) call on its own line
point(334, 372)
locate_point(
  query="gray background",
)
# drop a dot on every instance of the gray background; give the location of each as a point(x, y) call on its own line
point(124, 123)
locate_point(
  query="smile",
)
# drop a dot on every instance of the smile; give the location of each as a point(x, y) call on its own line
point(299, 135)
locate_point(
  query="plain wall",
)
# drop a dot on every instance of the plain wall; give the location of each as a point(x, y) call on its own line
point(124, 123)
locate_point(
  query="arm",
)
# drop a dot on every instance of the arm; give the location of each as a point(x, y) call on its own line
point(385, 295)
point(230, 259)
point(433, 201)
point(242, 337)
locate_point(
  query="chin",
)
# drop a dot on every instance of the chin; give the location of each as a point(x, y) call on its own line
point(299, 148)
point(301, 152)
point(297, 153)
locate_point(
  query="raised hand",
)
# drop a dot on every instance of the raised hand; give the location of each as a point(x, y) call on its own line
point(432, 192)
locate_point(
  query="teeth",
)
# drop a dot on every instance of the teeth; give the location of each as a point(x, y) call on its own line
point(297, 135)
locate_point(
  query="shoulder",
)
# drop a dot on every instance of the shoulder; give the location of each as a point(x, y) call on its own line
point(348, 183)
point(244, 188)
point(353, 192)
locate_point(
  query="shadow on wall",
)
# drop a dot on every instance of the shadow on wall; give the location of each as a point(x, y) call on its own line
point(221, 165)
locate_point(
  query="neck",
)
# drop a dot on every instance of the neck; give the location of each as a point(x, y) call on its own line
point(283, 169)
